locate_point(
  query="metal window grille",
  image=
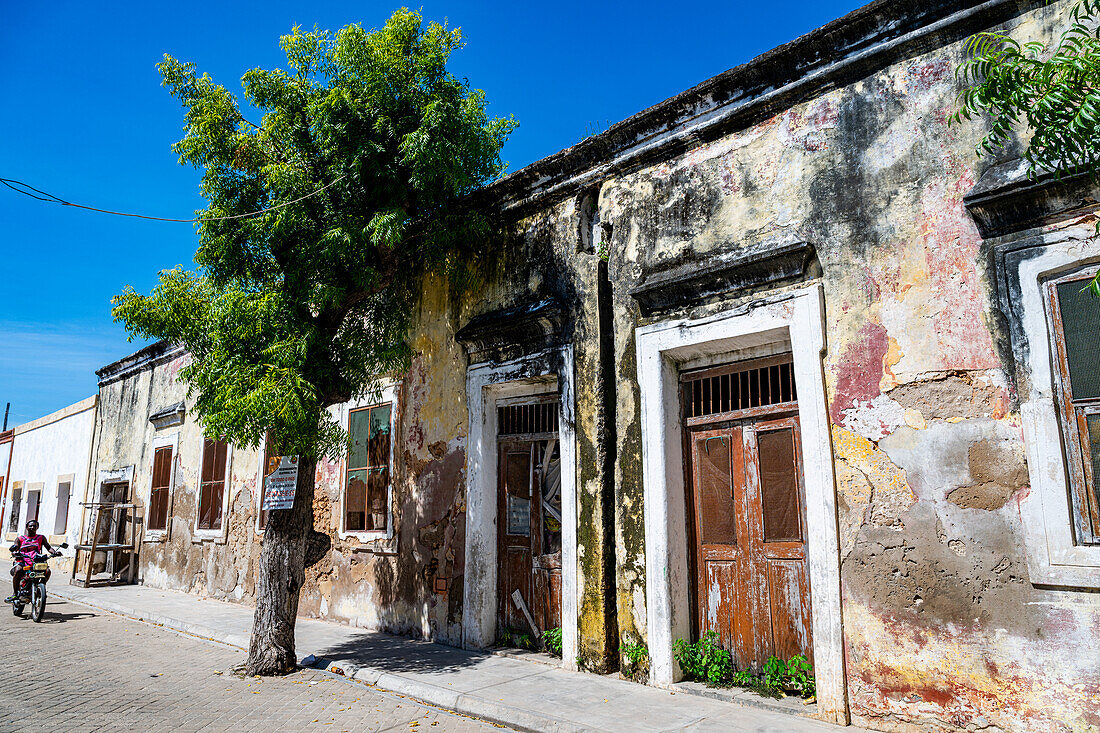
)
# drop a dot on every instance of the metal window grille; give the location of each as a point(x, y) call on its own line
point(527, 419)
point(733, 390)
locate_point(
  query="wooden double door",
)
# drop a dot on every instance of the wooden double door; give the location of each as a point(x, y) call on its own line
point(529, 532)
point(747, 512)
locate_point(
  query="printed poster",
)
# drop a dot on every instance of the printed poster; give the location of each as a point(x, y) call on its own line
point(279, 485)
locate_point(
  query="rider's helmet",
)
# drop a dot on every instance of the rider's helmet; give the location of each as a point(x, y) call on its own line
point(32, 527)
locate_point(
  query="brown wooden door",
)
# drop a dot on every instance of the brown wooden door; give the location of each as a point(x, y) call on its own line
point(529, 530)
point(752, 587)
point(546, 536)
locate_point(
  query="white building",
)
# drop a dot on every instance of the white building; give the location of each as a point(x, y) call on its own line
point(47, 474)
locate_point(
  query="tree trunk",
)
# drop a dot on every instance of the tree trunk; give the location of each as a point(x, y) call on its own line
point(282, 573)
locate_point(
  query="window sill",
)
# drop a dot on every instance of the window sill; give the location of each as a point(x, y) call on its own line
point(375, 543)
point(155, 536)
point(217, 536)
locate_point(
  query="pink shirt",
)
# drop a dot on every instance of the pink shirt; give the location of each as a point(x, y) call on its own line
point(30, 546)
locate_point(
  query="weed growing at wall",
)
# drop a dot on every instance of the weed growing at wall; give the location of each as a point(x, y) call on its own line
point(551, 639)
point(706, 661)
point(636, 666)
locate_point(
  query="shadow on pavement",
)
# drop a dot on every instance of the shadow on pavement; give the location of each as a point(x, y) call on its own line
point(399, 654)
point(53, 616)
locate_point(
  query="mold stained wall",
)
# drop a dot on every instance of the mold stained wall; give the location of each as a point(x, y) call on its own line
point(942, 627)
point(387, 583)
point(46, 452)
point(223, 567)
point(391, 583)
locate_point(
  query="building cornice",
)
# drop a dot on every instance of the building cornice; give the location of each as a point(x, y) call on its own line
point(838, 53)
point(141, 360)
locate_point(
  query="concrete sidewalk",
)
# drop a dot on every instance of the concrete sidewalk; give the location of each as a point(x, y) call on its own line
point(518, 693)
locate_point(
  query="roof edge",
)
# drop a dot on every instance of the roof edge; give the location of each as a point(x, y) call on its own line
point(141, 359)
point(838, 52)
point(74, 409)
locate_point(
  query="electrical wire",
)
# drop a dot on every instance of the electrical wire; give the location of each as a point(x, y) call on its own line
point(40, 195)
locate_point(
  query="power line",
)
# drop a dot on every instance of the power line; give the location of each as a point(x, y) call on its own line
point(28, 190)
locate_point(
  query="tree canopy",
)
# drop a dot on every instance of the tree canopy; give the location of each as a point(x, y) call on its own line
point(360, 165)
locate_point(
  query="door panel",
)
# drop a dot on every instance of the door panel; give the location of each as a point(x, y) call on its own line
point(748, 520)
point(515, 533)
point(790, 615)
point(530, 534)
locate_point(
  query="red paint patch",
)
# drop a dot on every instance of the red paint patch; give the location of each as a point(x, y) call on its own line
point(952, 247)
point(860, 369)
point(923, 77)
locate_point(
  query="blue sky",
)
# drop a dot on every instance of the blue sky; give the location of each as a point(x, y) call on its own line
point(84, 117)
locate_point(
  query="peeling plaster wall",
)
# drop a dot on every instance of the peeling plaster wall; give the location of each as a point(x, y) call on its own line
point(943, 628)
point(221, 568)
point(386, 583)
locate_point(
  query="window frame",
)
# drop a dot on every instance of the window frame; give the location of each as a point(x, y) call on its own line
point(162, 441)
point(15, 507)
point(36, 488)
point(69, 479)
point(222, 533)
point(1073, 413)
point(1022, 263)
point(386, 396)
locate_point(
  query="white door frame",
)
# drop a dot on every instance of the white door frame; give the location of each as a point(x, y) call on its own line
point(661, 348)
point(485, 385)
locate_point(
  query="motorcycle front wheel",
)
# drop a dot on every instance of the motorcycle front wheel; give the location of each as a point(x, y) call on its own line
point(38, 601)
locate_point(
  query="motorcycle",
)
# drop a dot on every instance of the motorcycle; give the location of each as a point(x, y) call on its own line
point(32, 588)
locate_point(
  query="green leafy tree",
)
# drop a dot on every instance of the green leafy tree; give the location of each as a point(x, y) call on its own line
point(1049, 93)
point(361, 167)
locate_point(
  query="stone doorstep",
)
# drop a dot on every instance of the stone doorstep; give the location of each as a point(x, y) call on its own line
point(738, 696)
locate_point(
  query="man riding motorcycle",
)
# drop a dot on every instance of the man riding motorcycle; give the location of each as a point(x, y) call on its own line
point(27, 546)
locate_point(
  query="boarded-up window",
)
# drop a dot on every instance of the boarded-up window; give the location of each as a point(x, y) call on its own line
point(61, 516)
point(1075, 315)
point(158, 496)
point(366, 487)
point(212, 484)
point(16, 502)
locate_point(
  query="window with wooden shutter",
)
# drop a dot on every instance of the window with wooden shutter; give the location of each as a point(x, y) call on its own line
point(367, 480)
point(34, 501)
point(212, 484)
point(1075, 317)
point(16, 501)
point(158, 496)
point(61, 515)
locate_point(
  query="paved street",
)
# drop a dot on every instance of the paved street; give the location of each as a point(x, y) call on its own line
point(85, 670)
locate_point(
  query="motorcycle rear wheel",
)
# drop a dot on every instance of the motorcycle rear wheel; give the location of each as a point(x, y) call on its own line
point(38, 601)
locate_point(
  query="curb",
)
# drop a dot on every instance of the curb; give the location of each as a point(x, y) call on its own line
point(441, 697)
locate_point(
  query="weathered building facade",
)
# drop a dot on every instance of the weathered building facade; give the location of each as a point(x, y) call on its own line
point(777, 358)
